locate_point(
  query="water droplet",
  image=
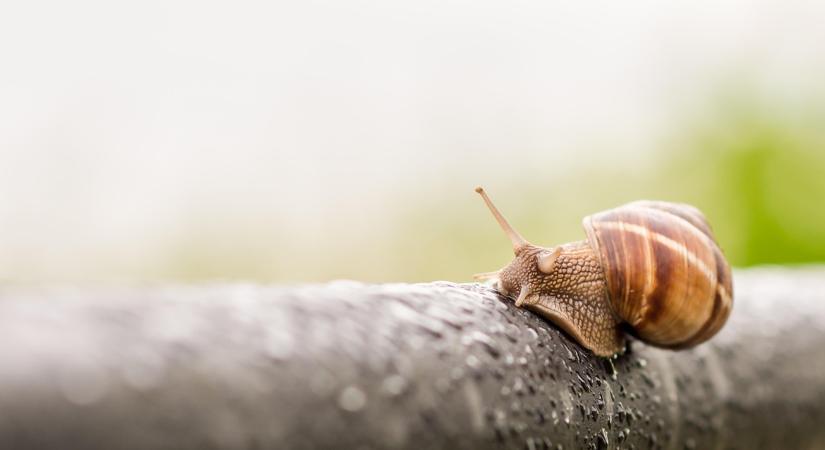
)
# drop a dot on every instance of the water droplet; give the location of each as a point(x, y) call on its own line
point(446, 317)
point(473, 362)
point(486, 342)
point(518, 386)
point(404, 312)
point(279, 345)
point(532, 334)
point(394, 385)
point(601, 439)
point(509, 359)
point(474, 404)
point(352, 399)
point(430, 325)
point(611, 368)
point(593, 413)
point(567, 404)
point(512, 332)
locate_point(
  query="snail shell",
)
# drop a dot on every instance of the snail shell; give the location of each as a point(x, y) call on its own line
point(651, 267)
point(664, 272)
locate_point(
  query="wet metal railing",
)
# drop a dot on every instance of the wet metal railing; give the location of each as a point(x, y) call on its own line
point(438, 365)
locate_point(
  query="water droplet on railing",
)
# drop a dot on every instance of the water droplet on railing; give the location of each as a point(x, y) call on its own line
point(394, 385)
point(352, 399)
point(485, 341)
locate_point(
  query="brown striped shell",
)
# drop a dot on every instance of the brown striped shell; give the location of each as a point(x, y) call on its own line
point(665, 274)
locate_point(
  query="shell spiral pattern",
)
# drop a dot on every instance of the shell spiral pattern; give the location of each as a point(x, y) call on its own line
point(665, 274)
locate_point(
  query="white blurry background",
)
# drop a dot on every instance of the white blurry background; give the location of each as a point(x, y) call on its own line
point(308, 140)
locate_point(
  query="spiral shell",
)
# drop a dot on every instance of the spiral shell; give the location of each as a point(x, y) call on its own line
point(665, 274)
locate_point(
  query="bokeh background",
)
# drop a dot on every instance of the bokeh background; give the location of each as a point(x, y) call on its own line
point(312, 140)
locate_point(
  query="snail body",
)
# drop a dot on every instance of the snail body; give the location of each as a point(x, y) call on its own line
point(653, 268)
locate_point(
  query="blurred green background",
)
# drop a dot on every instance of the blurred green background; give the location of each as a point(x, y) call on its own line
point(291, 142)
point(756, 170)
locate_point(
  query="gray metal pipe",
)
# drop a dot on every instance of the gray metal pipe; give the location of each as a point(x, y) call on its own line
point(437, 365)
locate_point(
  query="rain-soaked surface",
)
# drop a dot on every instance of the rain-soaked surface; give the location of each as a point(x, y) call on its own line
point(437, 365)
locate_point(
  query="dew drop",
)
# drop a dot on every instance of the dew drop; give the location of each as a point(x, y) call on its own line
point(473, 362)
point(352, 399)
point(431, 326)
point(512, 332)
point(518, 385)
point(446, 317)
point(601, 439)
point(394, 385)
point(280, 345)
point(485, 341)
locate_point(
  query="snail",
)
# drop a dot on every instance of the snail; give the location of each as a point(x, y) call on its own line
point(650, 268)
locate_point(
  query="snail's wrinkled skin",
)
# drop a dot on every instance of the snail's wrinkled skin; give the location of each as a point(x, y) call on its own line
point(573, 295)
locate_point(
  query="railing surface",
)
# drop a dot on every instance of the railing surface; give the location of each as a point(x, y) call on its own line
point(436, 365)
